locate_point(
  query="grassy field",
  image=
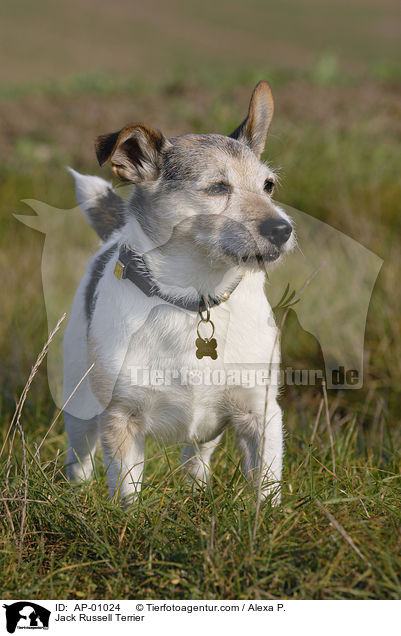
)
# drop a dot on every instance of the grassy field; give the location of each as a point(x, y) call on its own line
point(336, 140)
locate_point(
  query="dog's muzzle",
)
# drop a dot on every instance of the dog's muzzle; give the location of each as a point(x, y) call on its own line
point(262, 243)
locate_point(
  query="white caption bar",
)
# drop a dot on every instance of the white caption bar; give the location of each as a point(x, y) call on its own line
point(239, 617)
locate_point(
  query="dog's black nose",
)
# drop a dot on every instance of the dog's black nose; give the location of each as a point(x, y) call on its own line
point(277, 231)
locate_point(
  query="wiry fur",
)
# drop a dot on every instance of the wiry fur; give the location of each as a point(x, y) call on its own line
point(101, 205)
point(196, 214)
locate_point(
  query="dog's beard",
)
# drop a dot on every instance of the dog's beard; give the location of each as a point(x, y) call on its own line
point(241, 245)
point(252, 259)
point(261, 259)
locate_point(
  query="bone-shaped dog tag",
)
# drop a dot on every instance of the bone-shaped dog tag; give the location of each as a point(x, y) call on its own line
point(206, 347)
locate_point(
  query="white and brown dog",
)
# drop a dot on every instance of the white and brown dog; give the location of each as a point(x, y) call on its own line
point(185, 256)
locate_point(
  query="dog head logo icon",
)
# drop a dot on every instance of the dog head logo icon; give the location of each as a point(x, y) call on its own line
point(26, 615)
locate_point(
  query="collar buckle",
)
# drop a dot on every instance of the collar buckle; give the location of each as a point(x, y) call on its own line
point(119, 270)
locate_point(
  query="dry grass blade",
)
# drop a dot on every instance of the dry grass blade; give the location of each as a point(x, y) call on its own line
point(43, 501)
point(9, 516)
point(25, 500)
point(315, 427)
point(21, 401)
point(55, 465)
point(342, 531)
point(330, 430)
point(317, 420)
point(335, 477)
point(212, 529)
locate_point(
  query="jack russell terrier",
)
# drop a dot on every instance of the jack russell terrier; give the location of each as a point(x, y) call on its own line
point(174, 302)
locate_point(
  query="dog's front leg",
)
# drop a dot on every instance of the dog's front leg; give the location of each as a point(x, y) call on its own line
point(82, 440)
point(260, 439)
point(123, 445)
point(195, 459)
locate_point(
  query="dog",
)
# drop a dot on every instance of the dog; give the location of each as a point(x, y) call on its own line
point(177, 285)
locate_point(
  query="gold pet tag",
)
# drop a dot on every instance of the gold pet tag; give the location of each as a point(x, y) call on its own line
point(206, 346)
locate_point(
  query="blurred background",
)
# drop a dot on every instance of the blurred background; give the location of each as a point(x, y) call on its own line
point(54, 40)
point(72, 70)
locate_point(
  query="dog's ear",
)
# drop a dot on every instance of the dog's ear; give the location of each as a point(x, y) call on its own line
point(134, 152)
point(253, 130)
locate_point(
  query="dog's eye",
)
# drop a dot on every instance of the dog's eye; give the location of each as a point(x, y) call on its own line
point(269, 186)
point(218, 188)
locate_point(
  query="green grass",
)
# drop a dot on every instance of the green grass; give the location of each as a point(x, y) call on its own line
point(179, 544)
point(337, 146)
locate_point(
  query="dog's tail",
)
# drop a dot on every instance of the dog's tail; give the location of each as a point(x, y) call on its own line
point(102, 206)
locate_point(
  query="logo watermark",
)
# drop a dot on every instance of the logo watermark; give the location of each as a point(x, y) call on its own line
point(26, 615)
point(274, 375)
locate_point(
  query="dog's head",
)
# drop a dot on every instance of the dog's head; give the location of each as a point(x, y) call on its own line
point(209, 192)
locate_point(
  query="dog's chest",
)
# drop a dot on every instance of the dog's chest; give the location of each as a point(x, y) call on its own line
point(150, 352)
point(181, 395)
point(167, 339)
point(177, 394)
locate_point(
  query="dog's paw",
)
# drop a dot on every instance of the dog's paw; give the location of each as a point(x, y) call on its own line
point(78, 473)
